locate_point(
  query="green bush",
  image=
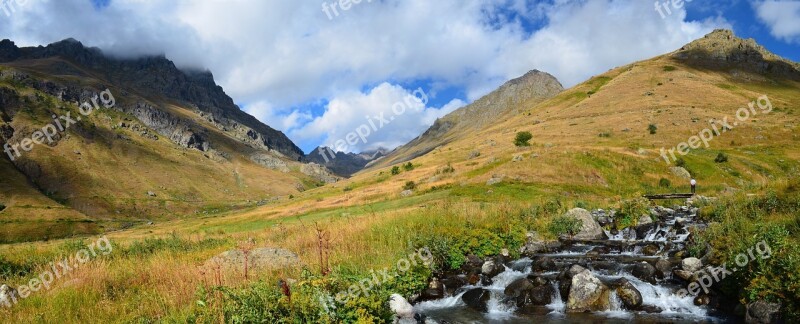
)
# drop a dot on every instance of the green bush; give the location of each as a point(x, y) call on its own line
point(680, 162)
point(395, 170)
point(2, 207)
point(563, 225)
point(523, 139)
point(631, 210)
point(410, 185)
point(408, 166)
point(652, 128)
point(721, 158)
point(664, 183)
point(669, 68)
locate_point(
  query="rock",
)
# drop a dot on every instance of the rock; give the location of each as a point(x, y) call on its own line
point(590, 230)
point(645, 272)
point(702, 300)
point(650, 309)
point(642, 230)
point(645, 219)
point(663, 269)
point(691, 264)
point(319, 172)
point(492, 268)
point(401, 308)
point(8, 296)
point(435, 291)
point(151, 194)
point(533, 245)
point(586, 293)
point(260, 259)
point(650, 249)
point(518, 291)
point(406, 193)
point(683, 274)
point(474, 154)
point(763, 312)
point(541, 295)
point(544, 264)
point(681, 172)
point(494, 180)
point(630, 296)
point(518, 158)
point(477, 299)
point(453, 283)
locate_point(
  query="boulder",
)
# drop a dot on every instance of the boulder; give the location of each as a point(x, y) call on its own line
point(681, 172)
point(587, 293)
point(258, 260)
point(8, 296)
point(453, 283)
point(650, 249)
point(683, 274)
point(533, 245)
point(477, 299)
point(663, 269)
point(691, 264)
point(590, 230)
point(401, 308)
point(492, 268)
point(518, 291)
point(763, 312)
point(541, 295)
point(645, 272)
point(435, 291)
point(630, 296)
point(544, 264)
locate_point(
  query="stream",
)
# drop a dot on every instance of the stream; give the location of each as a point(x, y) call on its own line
point(535, 287)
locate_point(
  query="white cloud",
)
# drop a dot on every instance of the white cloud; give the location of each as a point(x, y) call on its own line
point(782, 17)
point(280, 54)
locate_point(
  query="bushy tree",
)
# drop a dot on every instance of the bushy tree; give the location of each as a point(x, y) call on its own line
point(523, 139)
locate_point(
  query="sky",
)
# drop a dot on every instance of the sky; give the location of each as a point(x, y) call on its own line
point(319, 70)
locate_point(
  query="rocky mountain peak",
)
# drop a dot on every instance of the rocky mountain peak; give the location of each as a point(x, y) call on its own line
point(723, 49)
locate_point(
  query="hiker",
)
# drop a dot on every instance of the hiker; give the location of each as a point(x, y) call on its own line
point(694, 186)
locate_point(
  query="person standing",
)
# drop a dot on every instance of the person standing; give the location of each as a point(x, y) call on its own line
point(694, 186)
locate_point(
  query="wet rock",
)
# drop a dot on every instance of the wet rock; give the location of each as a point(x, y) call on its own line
point(630, 296)
point(663, 269)
point(645, 272)
point(477, 299)
point(643, 229)
point(541, 295)
point(435, 291)
point(702, 300)
point(691, 264)
point(683, 274)
point(650, 249)
point(586, 293)
point(492, 268)
point(518, 291)
point(650, 309)
point(533, 245)
point(763, 312)
point(401, 308)
point(544, 264)
point(453, 283)
point(474, 261)
point(473, 279)
point(590, 230)
point(603, 220)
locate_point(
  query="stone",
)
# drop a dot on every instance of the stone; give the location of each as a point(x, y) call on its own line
point(494, 180)
point(401, 308)
point(435, 291)
point(586, 293)
point(151, 194)
point(685, 275)
point(630, 296)
point(518, 158)
point(533, 244)
point(590, 230)
point(681, 172)
point(541, 295)
point(477, 299)
point(650, 249)
point(645, 272)
point(518, 291)
point(8, 296)
point(691, 264)
point(763, 312)
point(491, 268)
point(544, 264)
point(663, 269)
point(406, 193)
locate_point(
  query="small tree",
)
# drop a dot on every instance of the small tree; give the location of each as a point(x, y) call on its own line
point(395, 170)
point(563, 225)
point(523, 139)
point(653, 129)
point(408, 166)
point(664, 183)
point(410, 185)
point(721, 158)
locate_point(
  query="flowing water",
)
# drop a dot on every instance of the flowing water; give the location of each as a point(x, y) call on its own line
point(620, 253)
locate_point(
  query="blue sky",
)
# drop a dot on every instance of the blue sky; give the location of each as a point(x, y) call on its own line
point(318, 75)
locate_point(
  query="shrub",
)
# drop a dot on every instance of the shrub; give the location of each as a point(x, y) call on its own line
point(721, 158)
point(410, 185)
point(631, 210)
point(395, 170)
point(680, 162)
point(563, 225)
point(445, 170)
point(408, 166)
point(664, 183)
point(605, 135)
point(653, 129)
point(669, 68)
point(523, 139)
point(2, 207)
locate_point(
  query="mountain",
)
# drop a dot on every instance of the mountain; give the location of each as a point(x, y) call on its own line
point(531, 88)
point(172, 144)
point(343, 164)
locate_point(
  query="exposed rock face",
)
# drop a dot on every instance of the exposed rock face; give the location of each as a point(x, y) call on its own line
point(590, 230)
point(157, 77)
point(721, 49)
point(343, 164)
point(318, 172)
point(587, 293)
point(257, 260)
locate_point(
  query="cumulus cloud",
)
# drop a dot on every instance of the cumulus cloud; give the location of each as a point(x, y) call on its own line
point(782, 17)
point(273, 55)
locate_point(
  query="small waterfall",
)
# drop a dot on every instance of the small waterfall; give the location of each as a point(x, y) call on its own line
point(557, 306)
